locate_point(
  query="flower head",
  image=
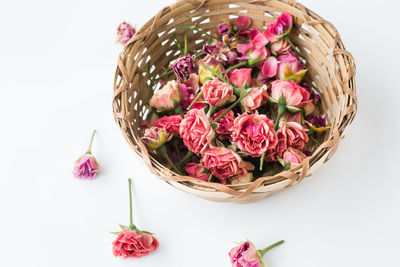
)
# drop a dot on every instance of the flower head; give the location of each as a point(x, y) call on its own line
point(170, 124)
point(294, 94)
point(224, 124)
point(213, 64)
point(240, 77)
point(242, 22)
point(218, 93)
point(167, 98)
point(224, 163)
point(255, 99)
point(290, 67)
point(197, 171)
point(280, 47)
point(125, 32)
point(254, 134)
point(86, 167)
point(196, 132)
point(131, 244)
point(293, 157)
point(184, 66)
point(280, 28)
point(155, 137)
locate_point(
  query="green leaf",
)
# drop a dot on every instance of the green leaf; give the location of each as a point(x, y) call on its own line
point(123, 227)
point(282, 100)
point(292, 109)
point(149, 233)
point(115, 233)
point(206, 171)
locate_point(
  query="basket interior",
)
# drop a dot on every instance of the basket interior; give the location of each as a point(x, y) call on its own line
point(148, 58)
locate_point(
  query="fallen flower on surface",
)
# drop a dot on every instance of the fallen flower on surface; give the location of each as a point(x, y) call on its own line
point(86, 167)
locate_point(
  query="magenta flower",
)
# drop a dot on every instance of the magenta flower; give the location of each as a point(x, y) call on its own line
point(86, 167)
point(280, 28)
point(125, 32)
point(184, 66)
point(246, 255)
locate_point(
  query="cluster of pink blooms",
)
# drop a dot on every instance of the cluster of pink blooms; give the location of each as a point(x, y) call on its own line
point(237, 109)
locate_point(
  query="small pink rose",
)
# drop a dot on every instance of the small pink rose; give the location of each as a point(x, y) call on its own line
point(196, 132)
point(280, 47)
point(255, 99)
point(167, 98)
point(196, 170)
point(170, 124)
point(125, 32)
point(290, 67)
point(280, 28)
point(294, 94)
point(254, 134)
point(293, 156)
point(242, 22)
point(218, 93)
point(245, 255)
point(239, 77)
point(224, 163)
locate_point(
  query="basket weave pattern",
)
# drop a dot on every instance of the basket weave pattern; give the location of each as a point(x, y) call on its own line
point(331, 74)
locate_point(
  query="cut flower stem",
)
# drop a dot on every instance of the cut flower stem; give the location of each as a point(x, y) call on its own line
point(163, 151)
point(89, 151)
point(265, 250)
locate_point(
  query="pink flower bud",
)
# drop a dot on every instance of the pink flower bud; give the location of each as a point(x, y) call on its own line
point(86, 167)
point(125, 32)
point(166, 98)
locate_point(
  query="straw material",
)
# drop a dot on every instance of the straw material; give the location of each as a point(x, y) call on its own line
point(331, 74)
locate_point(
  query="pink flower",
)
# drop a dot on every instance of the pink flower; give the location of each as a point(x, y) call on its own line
point(280, 28)
point(131, 244)
point(170, 124)
point(167, 98)
point(279, 149)
point(245, 255)
point(294, 94)
point(295, 134)
point(224, 124)
point(196, 131)
point(280, 47)
point(184, 66)
point(189, 90)
point(196, 171)
point(224, 163)
point(255, 99)
point(255, 50)
point(270, 67)
point(213, 62)
point(218, 93)
point(239, 77)
point(242, 22)
point(293, 157)
point(86, 167)
point(125, 32)
point(290, 67)
point(254, 134)
point(155, 137)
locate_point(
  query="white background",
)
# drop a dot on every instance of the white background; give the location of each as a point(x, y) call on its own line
point(57, 64)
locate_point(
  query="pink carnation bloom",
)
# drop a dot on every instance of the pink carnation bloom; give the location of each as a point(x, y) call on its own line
point(125, 32)
point(224, 163)
point(169, 124)
point(254, 134)
point(196, 132)
point(86, 167)
point(245, 255)
point(218, 93)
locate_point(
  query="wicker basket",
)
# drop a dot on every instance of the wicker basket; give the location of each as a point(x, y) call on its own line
point(331, 73)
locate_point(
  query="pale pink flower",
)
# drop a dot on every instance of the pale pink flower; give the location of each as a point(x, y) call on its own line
point(255, 99)
point(218, 93)
point(167, 98)
point(125, 32)
point(294, 94)
point(240, 77)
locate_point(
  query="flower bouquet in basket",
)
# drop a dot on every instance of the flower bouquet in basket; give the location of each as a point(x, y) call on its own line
point(238, 109)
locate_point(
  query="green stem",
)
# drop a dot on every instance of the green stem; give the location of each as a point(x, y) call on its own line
point(186, 157)
point(175, 144)
point(232, 106)
point(263, 251)
point(163, 151)
point(195, 100)
point(166, 73)
point(292, 45)
point(131, 225)
point(185, 50)
point(214, 72)
point(262, 161)
point(315, 140)
point(89, 151)
point(281, 110)
point(243, 63)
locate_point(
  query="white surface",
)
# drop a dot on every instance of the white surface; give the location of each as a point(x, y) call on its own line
point(56, 77)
